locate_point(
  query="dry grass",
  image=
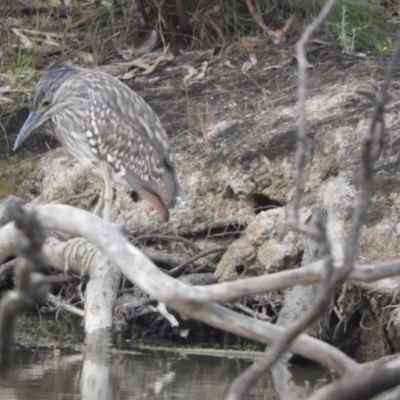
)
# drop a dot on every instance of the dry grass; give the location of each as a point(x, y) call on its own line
point(92, 33)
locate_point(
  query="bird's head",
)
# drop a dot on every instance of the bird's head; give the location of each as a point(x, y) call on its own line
point(42, 103)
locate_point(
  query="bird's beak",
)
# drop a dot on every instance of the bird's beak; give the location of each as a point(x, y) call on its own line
point(33, 121)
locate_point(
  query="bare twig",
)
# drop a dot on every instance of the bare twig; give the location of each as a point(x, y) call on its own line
point(277, 35)
point(177, 270)
point(371, 152)
point(369, 381)
point(168, 238)
point(316, 232)
point(243, 383)
point(302, 146)
point(162, 309)
point(163, 257)
point(374, 378)
point(251, 312)
point(62, 305)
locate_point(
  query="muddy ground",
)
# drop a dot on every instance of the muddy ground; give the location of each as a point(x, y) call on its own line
point(234, 135)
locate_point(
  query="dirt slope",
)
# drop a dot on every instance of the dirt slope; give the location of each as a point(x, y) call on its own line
point(234, 135)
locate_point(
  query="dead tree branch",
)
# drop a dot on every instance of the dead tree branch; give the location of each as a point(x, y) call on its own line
point(372, 150)
point(177, 270)
point(371, 380)
point(227, 292)
point(111, 241)
point(31, 286)
point(316, 232)
point(223, 292)
point(383, 375)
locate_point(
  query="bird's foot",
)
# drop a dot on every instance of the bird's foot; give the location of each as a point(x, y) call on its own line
point(79, 250)
point(103, 206)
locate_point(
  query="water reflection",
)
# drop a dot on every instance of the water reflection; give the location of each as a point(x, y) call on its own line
point(46, 374)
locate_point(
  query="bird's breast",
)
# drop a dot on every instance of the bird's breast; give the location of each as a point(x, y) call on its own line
point(74, 141)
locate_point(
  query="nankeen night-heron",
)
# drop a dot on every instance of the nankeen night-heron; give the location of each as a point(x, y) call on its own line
point(109, 129)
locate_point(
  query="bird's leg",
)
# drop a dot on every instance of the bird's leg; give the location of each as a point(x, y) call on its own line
point(108, 198)
point(100, 203)
point(72, 248)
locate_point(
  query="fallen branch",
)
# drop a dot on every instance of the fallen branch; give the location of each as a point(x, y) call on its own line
point(226, 292)
point(56, 302)
point(177, 270)
point(111, 241)
point(372, 379)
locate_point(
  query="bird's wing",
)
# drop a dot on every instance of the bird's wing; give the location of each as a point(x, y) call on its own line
point(133, 110)
point(131, 154)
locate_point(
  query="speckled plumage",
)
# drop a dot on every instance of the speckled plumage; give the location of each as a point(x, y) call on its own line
point(112, 131)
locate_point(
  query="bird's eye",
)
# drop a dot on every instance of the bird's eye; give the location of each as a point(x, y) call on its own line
point(45, 103)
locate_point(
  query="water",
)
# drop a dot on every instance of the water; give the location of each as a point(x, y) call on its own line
point(46, 374)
